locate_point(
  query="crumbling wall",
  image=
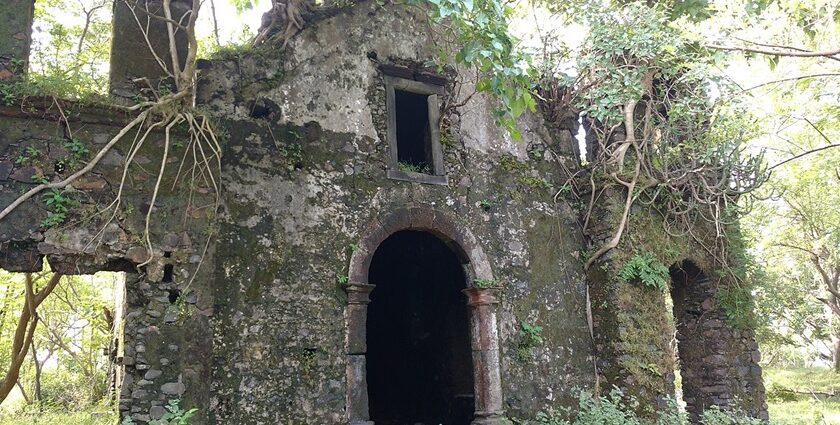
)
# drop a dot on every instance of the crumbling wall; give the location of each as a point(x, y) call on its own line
point(636, 331)
point(165, 330)
point(306, 176)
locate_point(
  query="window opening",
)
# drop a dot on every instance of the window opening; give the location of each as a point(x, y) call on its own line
point(414, 139)
point(413, 135)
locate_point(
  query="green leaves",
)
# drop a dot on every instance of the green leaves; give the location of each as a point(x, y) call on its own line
point(57, 205)
point(481, 28)
point(175, 415)
point(647, 269)
point(77, 150)
point(627, 50)
point(485, 283)
point(70, 48)
point(243, 5)
point(530, 336)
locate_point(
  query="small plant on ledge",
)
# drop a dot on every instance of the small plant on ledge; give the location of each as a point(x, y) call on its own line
point(483, 283)
point(408, 167)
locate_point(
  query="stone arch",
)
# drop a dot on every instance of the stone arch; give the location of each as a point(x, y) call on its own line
point(424, 218)
point(717, 362)
point(481, 302)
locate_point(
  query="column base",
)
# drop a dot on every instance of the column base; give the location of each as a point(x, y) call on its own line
point(360, 423)
point(490, 419)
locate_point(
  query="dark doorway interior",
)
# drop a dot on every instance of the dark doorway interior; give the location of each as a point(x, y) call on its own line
point(689, 289)
point(419, 364)
point(414, 139)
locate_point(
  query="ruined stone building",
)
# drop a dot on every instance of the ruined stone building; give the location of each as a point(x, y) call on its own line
point(383, 252)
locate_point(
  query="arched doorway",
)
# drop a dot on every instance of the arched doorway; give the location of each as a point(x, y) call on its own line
point(419, 365)
point(449, 259)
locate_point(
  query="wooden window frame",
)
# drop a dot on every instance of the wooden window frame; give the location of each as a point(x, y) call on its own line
point(438, 175)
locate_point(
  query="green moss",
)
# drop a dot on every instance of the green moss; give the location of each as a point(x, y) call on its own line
point(535, 182)
point(509, 163)
point(644, 337)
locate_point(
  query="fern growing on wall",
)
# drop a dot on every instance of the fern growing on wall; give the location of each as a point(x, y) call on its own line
point(647, 269)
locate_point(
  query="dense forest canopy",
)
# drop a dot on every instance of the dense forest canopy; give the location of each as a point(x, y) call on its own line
point(728, 112)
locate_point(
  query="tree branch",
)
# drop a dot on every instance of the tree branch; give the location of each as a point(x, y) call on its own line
point(828, 54)
point(797, 78)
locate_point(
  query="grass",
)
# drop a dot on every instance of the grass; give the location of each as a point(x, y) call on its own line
point(789, 400)
point(97, 416)
point(789, 397)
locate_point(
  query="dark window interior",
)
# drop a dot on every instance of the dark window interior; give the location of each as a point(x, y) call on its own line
point(414, 139)
point(419, 362)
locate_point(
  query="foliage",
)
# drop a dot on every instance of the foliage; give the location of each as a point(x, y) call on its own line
point(67, 387)
point(71, 48)
point(616, 408)
point(485, 283)
point(58, 204)
point(645, 88)
point(692, 10)
point(648, 269)
point(796, 233)
point(413, 168)
point(28, 156)
point(798, 396)
point(479, 28)
point(70, 338)
point(738, 305)
point(292, 153)
point(530, 336)
point(243, 5)
point(98, 415)
point(715, 416)
point(175, 415)
point(611, 409)
point(77, 150)
point(535, 182)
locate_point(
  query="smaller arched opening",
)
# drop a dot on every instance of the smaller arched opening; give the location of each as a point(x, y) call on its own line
point(691, 294)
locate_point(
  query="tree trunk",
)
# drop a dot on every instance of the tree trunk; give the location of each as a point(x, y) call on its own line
point(23, 393)
point(36, 385)
point(25, 331)
point(835, 359)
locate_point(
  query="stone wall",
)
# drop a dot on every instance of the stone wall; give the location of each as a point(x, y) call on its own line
point(635, 330)
point(277, 278)
point(166, 325)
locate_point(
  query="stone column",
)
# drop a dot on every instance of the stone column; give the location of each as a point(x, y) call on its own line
point(355, 344)
point(131, 54)
point(15, 37)
point(485, 355)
